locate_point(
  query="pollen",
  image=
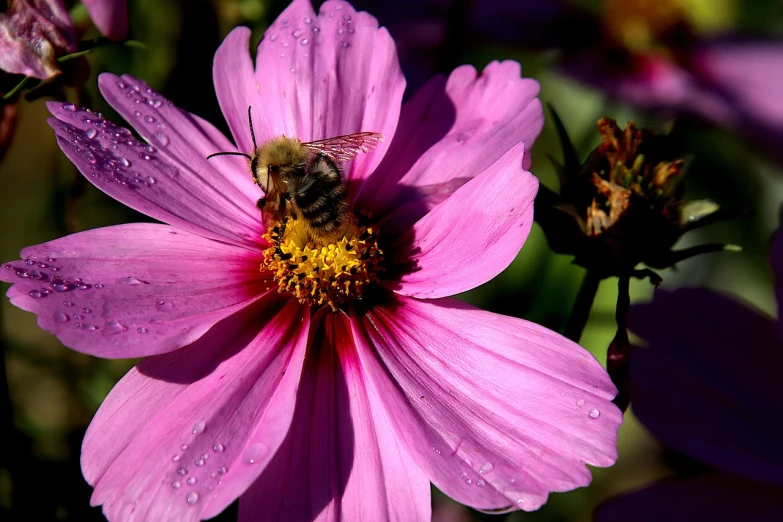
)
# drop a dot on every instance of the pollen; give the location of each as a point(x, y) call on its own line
point(316, 274)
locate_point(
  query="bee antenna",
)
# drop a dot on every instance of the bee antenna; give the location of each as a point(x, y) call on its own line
point(229, 154)
point(250, 121)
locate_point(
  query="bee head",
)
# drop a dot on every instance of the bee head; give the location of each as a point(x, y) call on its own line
point(275, 160)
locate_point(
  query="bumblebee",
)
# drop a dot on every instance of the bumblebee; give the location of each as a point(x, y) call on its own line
point(302, 179)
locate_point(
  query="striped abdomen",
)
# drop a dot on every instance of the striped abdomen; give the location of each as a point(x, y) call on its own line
point(321, 199)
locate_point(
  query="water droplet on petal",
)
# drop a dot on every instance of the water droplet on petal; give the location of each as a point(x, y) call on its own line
point(480, 482)
point(175, 484)
point(86, 310)
point(98, 286)
point(486, 468)
point(175, 458)
point(222, 470)
point(192, 480)
point(192, 497)
point(141, 330)
point(35, 294)
point(67, 303)
point(255, 452)
point(115, 327)
point(91, 133)
point(468, 481)
point(149, 181)
point(580, 403)
point(156, 103)
point(594, 414)
point(124, 162)
point(464, 474)
point(308, 20)
point(149, 119)
point(272, 37)
point(199, 463)
point(161, 139)
point(304, 41)
point(199, 427)
point(61, 317)
point(70, 107)
point(218, 447)
point(182, 471)
point(345, 45)
point(129, 281)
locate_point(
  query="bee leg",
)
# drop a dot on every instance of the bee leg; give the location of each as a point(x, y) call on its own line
point(261, 204)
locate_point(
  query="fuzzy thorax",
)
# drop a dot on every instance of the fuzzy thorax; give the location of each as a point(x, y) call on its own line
point(323, 274)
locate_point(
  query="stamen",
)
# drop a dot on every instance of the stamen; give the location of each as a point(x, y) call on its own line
point(329, 274)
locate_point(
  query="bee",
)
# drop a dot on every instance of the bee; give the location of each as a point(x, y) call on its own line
point(302, 180)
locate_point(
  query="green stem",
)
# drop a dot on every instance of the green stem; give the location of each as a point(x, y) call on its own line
point(581, 310)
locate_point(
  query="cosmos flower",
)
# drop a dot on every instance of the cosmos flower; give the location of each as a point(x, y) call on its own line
point(35, 33)
point(707, 385)
point(250, 388)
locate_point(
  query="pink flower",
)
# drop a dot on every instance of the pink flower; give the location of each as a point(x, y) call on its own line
point(34, 33)
point(306, 413)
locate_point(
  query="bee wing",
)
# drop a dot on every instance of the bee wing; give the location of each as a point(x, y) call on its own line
point(346, 147)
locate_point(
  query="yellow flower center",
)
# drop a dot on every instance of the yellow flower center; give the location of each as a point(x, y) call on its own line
point(322, 274)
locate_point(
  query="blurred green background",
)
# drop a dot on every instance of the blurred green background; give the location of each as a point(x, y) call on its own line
point(54, 391)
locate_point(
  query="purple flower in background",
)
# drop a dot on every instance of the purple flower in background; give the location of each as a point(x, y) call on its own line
point(109, 16)
point(708, 385)
point(251, 389)
point(34, 33)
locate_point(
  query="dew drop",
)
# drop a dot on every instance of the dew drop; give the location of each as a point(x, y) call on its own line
point(70, 107)
point(468, 481)
point(480, 482)
point(222, 470)
point(121, 84)
point(98, 286)
point(91, 133)
point(175, 484)
point(141, 330)
point(218, 447)
point(145, 157)
point(183, 447)
point(115, 327)
point(175, 458)
point(199, 463)
point(486, 468)
point(182, 471)
point(464, 474)
point(594, 414)
point(149, 181)
point(192, 480)
point(58, 285)
point(192, 497)
point(164, 306)
point(345, 45)
point(272, 37)
point(297, 33)
point(521, 501)
point(67, 303)
point(86, 310)
point(35, 294)
point(129, 281)
point(61, 317)
point(90, 327)
point(204, 456)
point(340, 30)
point(124, 162)
point(255, 452)
point(199, 427)
point(149, 119)
point(84, 286)
point(307, 20)
point(161, 139)
point(580, 403)
point(347, 18)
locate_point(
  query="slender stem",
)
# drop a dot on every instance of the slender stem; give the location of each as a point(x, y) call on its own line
point(618, 355)
point(581, 310)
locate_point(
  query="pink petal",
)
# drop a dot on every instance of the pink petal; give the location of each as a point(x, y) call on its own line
point(132, 290)
point(749, 74)
point(708, 383)
point(109, 16)
point(473, 235)
point(340, 460)
point(214, 413)
point(320, 77)
point(497, 411)
point(236, 88)
point(170, 180)
point(718, 498)
point(451, 130)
